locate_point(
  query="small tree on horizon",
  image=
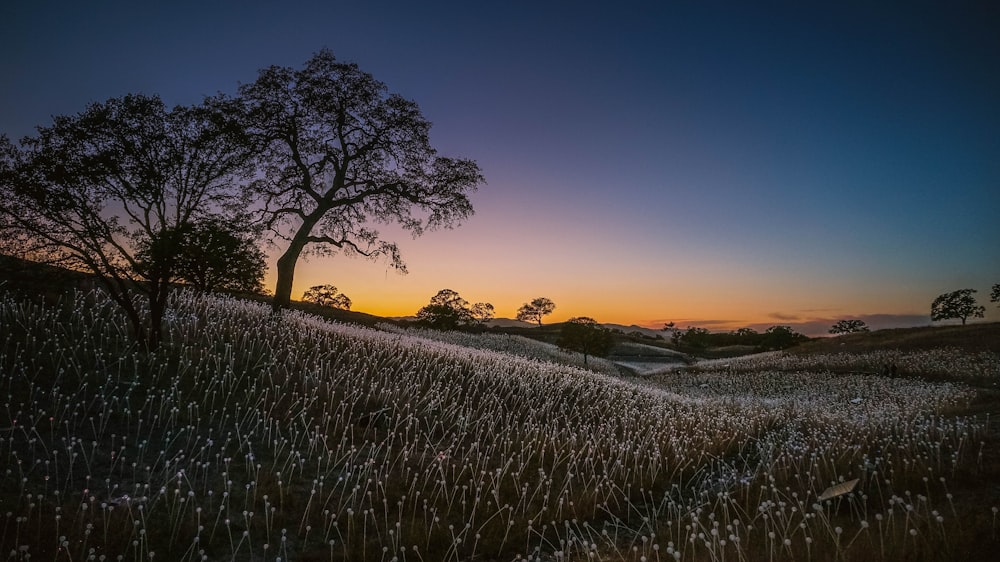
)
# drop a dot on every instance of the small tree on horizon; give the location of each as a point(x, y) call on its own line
point(327, 295)
point(849, 327)
point(481, 312)
point(535, 310)
point(995, 294)
point(694, 337)
point(447, 310)
point(584, 335)
point(672, 329)
point(781, 337)
point(958, 304)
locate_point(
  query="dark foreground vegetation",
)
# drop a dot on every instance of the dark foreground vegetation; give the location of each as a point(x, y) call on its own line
point(247, 436)
point(971, 337)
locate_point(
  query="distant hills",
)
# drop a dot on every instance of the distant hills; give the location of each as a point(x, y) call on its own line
point(52, 281)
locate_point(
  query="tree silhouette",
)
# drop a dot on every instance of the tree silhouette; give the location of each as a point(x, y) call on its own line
point(958, 304)
point(482, 312)
point(327, 295)
point(995, 293)
point(849, 327)
point(92, 190)
point(694, 337)
point(535, 310)
point(211, 255)
point(339, 154)
point(447, 310)
point(584, 335)
point(781, 337)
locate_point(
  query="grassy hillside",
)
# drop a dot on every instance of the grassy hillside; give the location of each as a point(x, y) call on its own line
point(250, 437)
point(973, 337)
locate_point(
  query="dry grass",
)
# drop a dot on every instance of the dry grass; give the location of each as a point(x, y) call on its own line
point(973, 338)
point(248, 437)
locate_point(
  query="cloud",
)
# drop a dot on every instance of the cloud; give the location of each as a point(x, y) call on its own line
point(820, 326)
point(810, 325)
point(685, 322)
point(782, 316)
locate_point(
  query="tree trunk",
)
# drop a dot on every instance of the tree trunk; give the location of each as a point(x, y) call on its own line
point(118, 290)
point(286, 274)
point(158, 295)
point(155, 334)
point(286, 263)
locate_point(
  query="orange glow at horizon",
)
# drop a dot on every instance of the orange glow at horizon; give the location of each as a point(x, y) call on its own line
point(643, 301)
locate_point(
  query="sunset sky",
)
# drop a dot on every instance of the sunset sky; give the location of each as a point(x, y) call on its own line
point(699, 162)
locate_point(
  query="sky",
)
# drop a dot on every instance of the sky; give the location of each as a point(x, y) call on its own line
point(706, 163)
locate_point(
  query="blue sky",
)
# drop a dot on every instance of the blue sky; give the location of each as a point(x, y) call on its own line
point(707, 163)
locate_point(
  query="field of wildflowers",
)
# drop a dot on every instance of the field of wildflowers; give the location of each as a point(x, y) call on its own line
point(981, 368)
point(253, 437)
point(511, 345)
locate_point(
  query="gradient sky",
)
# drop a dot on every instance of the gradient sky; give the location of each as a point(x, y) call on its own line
point(700, 162)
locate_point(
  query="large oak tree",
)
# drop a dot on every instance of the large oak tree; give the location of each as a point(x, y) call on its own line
point(340, 155)
point(108, 190)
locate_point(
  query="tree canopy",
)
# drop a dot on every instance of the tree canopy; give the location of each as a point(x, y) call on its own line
point(693, 337)
point(995, 293)
point(584, 335)
point(447, 310)
point(781, 337)
point(481, 312)
point(339, 154)
point(535, 310)
point(92, 190)
point(327, 295)
point(211, 255)
point(960, 304)
point(849, 327)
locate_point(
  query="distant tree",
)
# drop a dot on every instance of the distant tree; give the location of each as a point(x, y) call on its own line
point(327, 295)
point(673, 331)
point(741, 336)
point(442, 317)
point(957, 304)
point(451, 299)
point(584, 335)
point(482, 312)
point(849, 327)
point(447, 310)
point(535, 310)
point(341, 153)
point(94, 189)
point(995, 294)
point(694, 337)
point(212, 255)
point(781, 337)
